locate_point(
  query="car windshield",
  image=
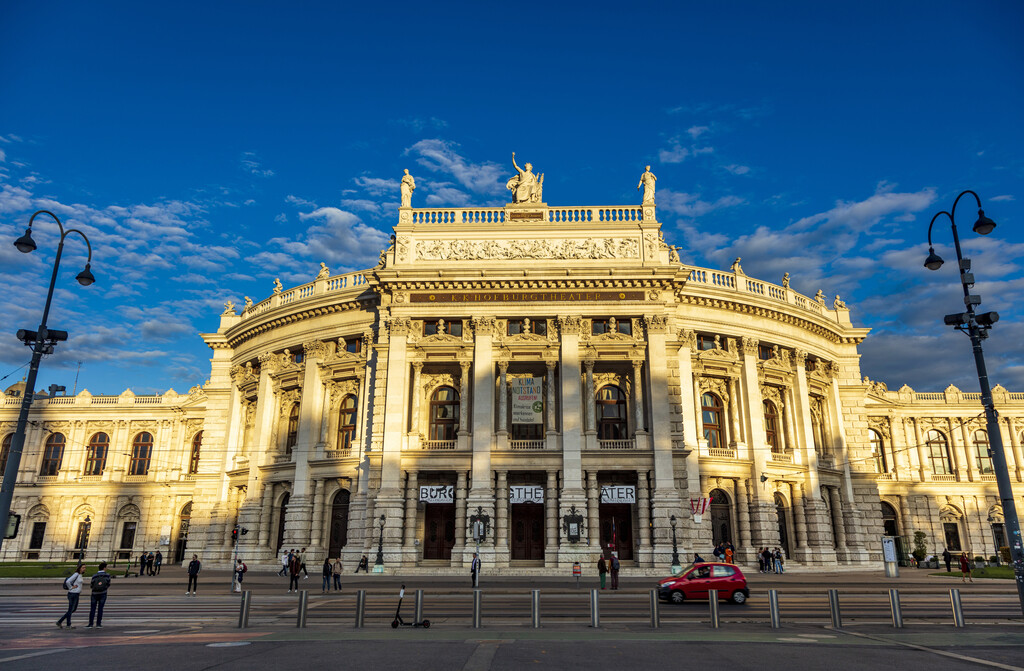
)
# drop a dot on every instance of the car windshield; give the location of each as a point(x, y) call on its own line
point(682, 571)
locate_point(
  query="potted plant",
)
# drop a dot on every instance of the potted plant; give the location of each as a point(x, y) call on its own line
point(920, 549)
point(979, 562)
point(993, 560)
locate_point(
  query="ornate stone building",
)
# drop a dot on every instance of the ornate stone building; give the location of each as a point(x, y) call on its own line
point(553, 376)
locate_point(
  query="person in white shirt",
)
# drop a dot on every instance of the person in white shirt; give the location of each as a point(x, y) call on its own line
point(74, 587)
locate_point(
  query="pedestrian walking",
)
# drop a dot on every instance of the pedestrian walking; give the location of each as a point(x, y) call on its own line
point(159, 561)
point(302, 561)
point(336, 569)
point(284, 563)
point(194, 567)
point(73, 584)
point(615, 571)
point(240, 569)
point(99, 585)
point(965, 568)
point(294, 569)
point(948, 558)
point(328, 571)
point(602, 569)
point(474, 570)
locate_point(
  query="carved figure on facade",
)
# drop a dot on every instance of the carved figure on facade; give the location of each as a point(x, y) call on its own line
point(820, 297)
point(689, 339)
point(407, 187)
point(736, 267)
point(288, 399)
point(402, 253)
point(673, 254)
point(482, 325)
point(526, 187)
point(338, 390)
point(749, 346)
point(196, 393)
point(773, 394)
point(656, 323)
point(277, 285)
point(229, 309)
point(647, 180)
point(881, 425)
point(573, 248)
point(838, 304)
point(714, 385)
point(324, 272)
point(785, 281)
point(248, 305)
point(315, 349)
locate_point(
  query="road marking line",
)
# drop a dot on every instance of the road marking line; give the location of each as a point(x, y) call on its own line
point(944, 653)
point(33, 654)
point(482, 657)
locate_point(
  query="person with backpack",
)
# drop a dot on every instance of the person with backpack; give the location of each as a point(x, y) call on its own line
point(602, 569)
point(615, 570)
point(99, 585)
point(240, 569)
point(194, 567)
point(73, 584)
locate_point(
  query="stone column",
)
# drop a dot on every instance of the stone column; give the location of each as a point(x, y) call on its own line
point(736, 427)
point(460, 519)
point(415, 420)
point(1010, 438)
point(796, 497)
point(300, 506)
point(317, 545)
point(265, 539)
point(842, 552)
point(638, 397)
point(787, 420)
point(743, 549)
point(591, 397)
point(852, 514)
point(501, 524)
point(409, 532)
point(389, 500)
point(266, 409)
point(593, 511)
point(572, 493)
point(906, 523)
point(805, 426)
point(643, 503)
point(464, 399)
point(764, 528)
point(481, 493)
point(551, 545)
point(502, 398)
point(551, 433)
point(969, 455)
point(954, 451)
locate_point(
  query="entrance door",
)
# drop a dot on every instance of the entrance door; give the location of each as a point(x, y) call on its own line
point(339, 523)
point(280, 523)
point(527, 531)
point(780, 512)
point(617, 528)
point(182, 544)
point(438, 530)
point(721, 529)
point(952, 532)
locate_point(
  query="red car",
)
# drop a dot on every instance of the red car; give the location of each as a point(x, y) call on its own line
point(694, 581)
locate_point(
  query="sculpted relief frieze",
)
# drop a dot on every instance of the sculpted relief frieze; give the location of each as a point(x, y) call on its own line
point(565, 248)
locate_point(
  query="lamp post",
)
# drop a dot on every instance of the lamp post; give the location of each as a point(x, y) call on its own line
point(378, 563)
point(42, 342)
point(976, 326)
point(85, 539)
point(675, 547)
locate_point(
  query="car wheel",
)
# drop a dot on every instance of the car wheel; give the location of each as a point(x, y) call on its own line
point(677, 596)
point(739, 597)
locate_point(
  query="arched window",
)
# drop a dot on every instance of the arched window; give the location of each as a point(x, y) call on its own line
point(878, 452)
point(292, 436)
point(713, 417)
point(5, 450)
point(96, 454)
point(771, 426)
point(347, 422)
point(938, 453)
point(611, 414)
point(53, 454)
point(981, 455)
point(142, 453)
point(890, 522)
point(444, 414)
point(193, 458)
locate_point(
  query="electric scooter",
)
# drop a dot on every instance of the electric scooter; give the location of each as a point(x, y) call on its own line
point(398, 615)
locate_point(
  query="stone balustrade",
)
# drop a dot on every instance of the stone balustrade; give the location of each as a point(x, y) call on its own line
point(338, 283)
point(498, 215)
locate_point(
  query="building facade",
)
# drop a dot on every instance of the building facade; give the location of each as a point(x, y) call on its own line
point(529, 382)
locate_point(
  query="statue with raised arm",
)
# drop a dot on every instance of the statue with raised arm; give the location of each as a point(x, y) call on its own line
point(408, 186)
point(647, 181)
point(526, 187)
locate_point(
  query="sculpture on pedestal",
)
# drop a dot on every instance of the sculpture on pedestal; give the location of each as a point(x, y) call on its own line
point(647, 181)
point(408, 186)
point(526, 187)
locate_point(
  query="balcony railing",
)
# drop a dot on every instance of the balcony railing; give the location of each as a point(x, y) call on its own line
point(782, 457)
point(947, 477)
point(628, 444)
point(885, 476)
point(136, 478)
point(722, 452)
point(439, 444)
point(337, 454)
point(527, 444)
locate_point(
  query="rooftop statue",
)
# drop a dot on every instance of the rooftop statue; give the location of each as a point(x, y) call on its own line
point(408, 186)
point(526, 187)
point(277, 285)
point(647, 181)
point(324, 272)
point(736, 267)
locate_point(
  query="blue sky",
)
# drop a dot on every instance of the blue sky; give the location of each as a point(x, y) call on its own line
point(207, 148)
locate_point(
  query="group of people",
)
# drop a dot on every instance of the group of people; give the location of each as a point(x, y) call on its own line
point(965, 564)
point(98, 586)
point(723, 552)
point(150, 563)
point(610, 565)
point(293, 564)
point(770, 561)
point(332, 569)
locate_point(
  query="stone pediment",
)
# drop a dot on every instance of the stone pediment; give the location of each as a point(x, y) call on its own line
point(440, 339)
point(717, 354)
point(525, 339)
point(611, 337)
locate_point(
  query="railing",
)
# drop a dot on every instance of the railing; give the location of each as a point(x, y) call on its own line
point(1016, 396)
point(316, 287)
point(722, 452)
point(188, 477)
point(149, 400)
point(439, 444)
point(950, 477)
point(527, 444)
point(42, 479)
point(930, 396)
point(282, 458)
point(986, 477)
point(782, 457)
point(337, 454)
point(885, 476)
point(136, 478)
point(628, 444)
point(972, 396)
point(61, 400)
point(105, 400)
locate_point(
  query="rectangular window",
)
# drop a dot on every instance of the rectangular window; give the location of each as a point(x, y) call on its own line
point(764, 352)
point(536, 326)
point(612, 325)
point(128, 535)
point(354, 345)
point(38, 531)
point(706, 342)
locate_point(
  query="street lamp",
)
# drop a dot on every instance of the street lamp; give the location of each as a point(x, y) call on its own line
point(378, 563)
point(976, 326)
point(675, 547)
point(85, 538)
point(42, 342)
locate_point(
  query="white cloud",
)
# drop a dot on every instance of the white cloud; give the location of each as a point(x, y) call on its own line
point(376, 186)
point(441, 156)
point(737, 169)
point(690, 205)
point(675, 154)
point(251, 164)
point(696, 131)
point(362, 204)
point(1003, 198)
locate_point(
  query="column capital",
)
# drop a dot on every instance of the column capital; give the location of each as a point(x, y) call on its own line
point(749, 346)
point(503, 366)
point(417, 366)
point(550, 364)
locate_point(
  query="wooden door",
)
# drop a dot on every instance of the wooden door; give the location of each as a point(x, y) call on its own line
point(439, 530)
point(527, 541)
point(617, 528)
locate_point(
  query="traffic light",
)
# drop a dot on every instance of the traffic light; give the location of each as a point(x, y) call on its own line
point(234, 534)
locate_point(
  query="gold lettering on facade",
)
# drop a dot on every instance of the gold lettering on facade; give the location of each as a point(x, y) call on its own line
point(536, 297)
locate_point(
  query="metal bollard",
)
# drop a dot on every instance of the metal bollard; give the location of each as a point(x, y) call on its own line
point(894, 606)
point(773, 608)
point(360, 608)
point(300, 621)
point(243, 612)
point(958, 609)
point(418, 612)
point(713, 606)
point(595, 610)
point(833, 606)
point(535, 608)
point(655, 614)
point(477, 599)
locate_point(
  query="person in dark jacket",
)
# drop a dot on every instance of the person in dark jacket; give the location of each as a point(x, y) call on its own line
point(328, 570)
point(194, 567)
point(294, 569)
point(99, 584)
point(948, 558)
point(159, 561)
point(602, 569)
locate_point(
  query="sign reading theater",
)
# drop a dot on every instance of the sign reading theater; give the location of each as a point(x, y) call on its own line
point(526, 296)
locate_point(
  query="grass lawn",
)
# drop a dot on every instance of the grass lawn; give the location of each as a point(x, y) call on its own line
point(1003, 572)
point(37, 569)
